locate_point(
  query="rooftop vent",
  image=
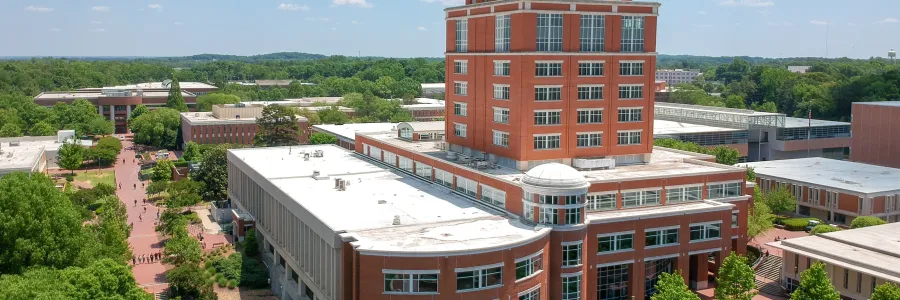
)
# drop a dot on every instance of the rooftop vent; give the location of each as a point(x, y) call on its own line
point(15, 143)
point(382, 201)
point(396, 220)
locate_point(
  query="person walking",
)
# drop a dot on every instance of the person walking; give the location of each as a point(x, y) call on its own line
point(135, 202)
point(135, 187)
point(141, 218)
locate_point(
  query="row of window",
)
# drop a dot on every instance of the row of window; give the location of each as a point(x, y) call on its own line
point(592, 29)
point(607, 201)
point(657, 237)
point(555, 68)
point(554, 93)
point(467, 279)
point(584, 115)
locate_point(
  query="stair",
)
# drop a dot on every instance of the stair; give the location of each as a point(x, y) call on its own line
point(164, 295)
point(770, 270)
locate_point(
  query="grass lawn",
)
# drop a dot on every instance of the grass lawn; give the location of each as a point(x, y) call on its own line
point(94, 178)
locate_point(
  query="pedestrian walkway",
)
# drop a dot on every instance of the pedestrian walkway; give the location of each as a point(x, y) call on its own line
point(771, 235)
point(143, 239)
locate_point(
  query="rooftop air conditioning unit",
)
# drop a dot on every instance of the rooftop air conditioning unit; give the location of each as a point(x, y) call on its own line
point(396, 220)
point(337, 183)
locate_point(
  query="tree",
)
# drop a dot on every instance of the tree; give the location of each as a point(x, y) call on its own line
point(735, 101)
point(83, 117)
point(159, 128)
point(42, 128)
point(318, 138)
point(736, 279)
point(175, 100)
point(822, 228)
point(70, 156)
point(213, 173)
point(138, 111)
point(183, 193)
point(251, 244)
point(780, 200)
point(726, 155)
point(10, 130)
point(333, 115)
point(205, 102)
point(96, 126)
point(312, 117)
point(277, 127)
point(40, 225)
point(866, 221)
point(162, 171)
point(181, 248)
point(102, 279)
point(188, 281)
point(191, 151)
point(671, 287)
point(766, 107)
point(886, 291)
point(156, 187)
point(760, 219)
point(815, 284)
point(110, 232)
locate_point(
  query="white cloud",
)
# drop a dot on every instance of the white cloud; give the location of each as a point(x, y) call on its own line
point(101, 8)
point(701, 13)
point(292, 7)
point(98, 30)
point(318, 19)
point(421, 28)
point(446, 2)
point(748, 3)
point(155, 6)
point(817, 22)
point(888, 20)
point(178, 23)
point(54, 29)
point(95, 22)
point(39, 9)
point(360, 3)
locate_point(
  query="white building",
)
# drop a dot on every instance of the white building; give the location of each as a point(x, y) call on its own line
point(677, 76)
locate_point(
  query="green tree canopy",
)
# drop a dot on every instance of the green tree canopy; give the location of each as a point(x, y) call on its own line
point(213, 173)
point(181, 248)
point(760, 219)
point(886, 291)
point(138, 110)
point(822, 228)
point(156, 187)
point(175, 100)
point(815, 284)
point(318, 138)
point(736, 279)
point(724, 155)
point(42, 128)
point(183, 193)
point(277, 127)
point(83, 117)
point(102, 279)
point(191, 151)
point(159, 127)
point(70, 156)
point(866, 221)
point(162, 171)
point(779, 200)
point(205, 102)
point(333, 115)
point(10, 130)
point(671, 287)
point(188, 281)
point(251, 244)
point(96, 126)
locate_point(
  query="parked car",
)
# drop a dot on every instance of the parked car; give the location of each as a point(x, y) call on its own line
point(811, 224)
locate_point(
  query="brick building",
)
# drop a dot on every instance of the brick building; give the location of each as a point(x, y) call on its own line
point(229, 124)
point(876, 133)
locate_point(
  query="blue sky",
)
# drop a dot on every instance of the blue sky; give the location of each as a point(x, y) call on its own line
point(408, 28)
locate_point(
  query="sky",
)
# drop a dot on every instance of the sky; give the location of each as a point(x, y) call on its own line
point(415, 28)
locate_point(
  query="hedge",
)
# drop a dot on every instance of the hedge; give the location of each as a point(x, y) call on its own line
point(797, 224)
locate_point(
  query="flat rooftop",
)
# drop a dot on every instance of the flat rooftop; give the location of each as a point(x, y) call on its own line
point(95, 95)
point(880, 103)
point(440, 85)
point(19, 158)
point(663, 163)
point(208, 118)
point(853, 177)
point(348, 131)
point(662, 127)
point(713, 109)
point(310, 101)
point(790, 122)
point(432, 218)
point(155, 86)
point(871, 250)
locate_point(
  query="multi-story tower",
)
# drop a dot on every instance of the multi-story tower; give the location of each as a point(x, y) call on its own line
point(532, 81)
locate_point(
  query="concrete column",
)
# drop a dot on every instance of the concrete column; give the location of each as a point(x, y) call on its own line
point(112, 113)
point(100, 109)
point(702, 271)
point(128, 108)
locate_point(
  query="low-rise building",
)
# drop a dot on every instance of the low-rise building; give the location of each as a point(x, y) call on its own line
point(675, 77)
point(834, 190)
point(433, 89)
point(876, 133)
point(856, 260)
point(34, 153)
point(229, 124)
point(799, 69)
point(346, 133)
point(425, 109)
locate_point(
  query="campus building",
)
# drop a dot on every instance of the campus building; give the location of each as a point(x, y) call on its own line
point(674, 77)
point(425, 109)
point(856, 260)
point(758, 136)
point(833, 190)
point(229, 124)
point(116, 102)
point(34, 153)
point(876, 133)
point(346, 133)
point(539, 211)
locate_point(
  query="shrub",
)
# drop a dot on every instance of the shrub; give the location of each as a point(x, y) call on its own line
point(232, 284)
point(796, 224)
point(220, 277)
point(866, 221)
point(70, 177)
point(208, 265)
point(95, 205)
point(223, 282)
point(819, 229)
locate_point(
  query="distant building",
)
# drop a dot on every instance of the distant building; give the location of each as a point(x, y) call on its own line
point(229, 124)
point(116, 102)
point(798, 69)
point(833, 190)
point(267, 84)
point(856, 260)
point(433, 89)
point(675, 77)
point(876, 133)
point(34, 153)
point(425, 109)
point(346, 133)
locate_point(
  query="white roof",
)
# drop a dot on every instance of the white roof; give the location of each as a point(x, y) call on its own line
point(881, 103)
point(19, 158)
point(433, 85)
point(206, 117)
point(425, 126)
point(348, 131)
point(161, 85)
point(851, 177)
point(555, 175)
point(662, 127)
point(791, 122)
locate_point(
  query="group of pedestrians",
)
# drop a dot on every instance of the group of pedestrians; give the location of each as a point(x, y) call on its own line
point(146, 258)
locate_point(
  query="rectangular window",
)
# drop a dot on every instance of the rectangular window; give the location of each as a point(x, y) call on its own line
point(547, 117)
point(571, 254)
point(615, 242)
point(400, 283)
point(573, 215)
point(632, 34)
point(530, 265)
point(684, 194)
point(630, 115)
point(549, 216)
point(631, 68)
point(571, 286)
point(501, 92)
point(640, 198)
point(493, 196)
point(405, 163)
point(734, 218)
point(501, 115)
point(534, 294)
point(459, 109)
point(846, 279)
point(501, 68)
point(460, 67)
point(590, 92)
point(460, 88)
point(443, 178)
point(661, 236)
point(702, 232)
point(586, 140)
point(501, 138)
point(459, 130)
point(467, 186)
point(598, 202)
point(546, 142)
point(423, 170)
point(547, 93)
point(479, 278)
point(549, 32)
point(723, 190)
point(592, 33)
point(462, 36)
point(630, 92)
point(501, 33)
point(590, 116)
point(629, 137)
point(590, 69)
point(548, 69)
